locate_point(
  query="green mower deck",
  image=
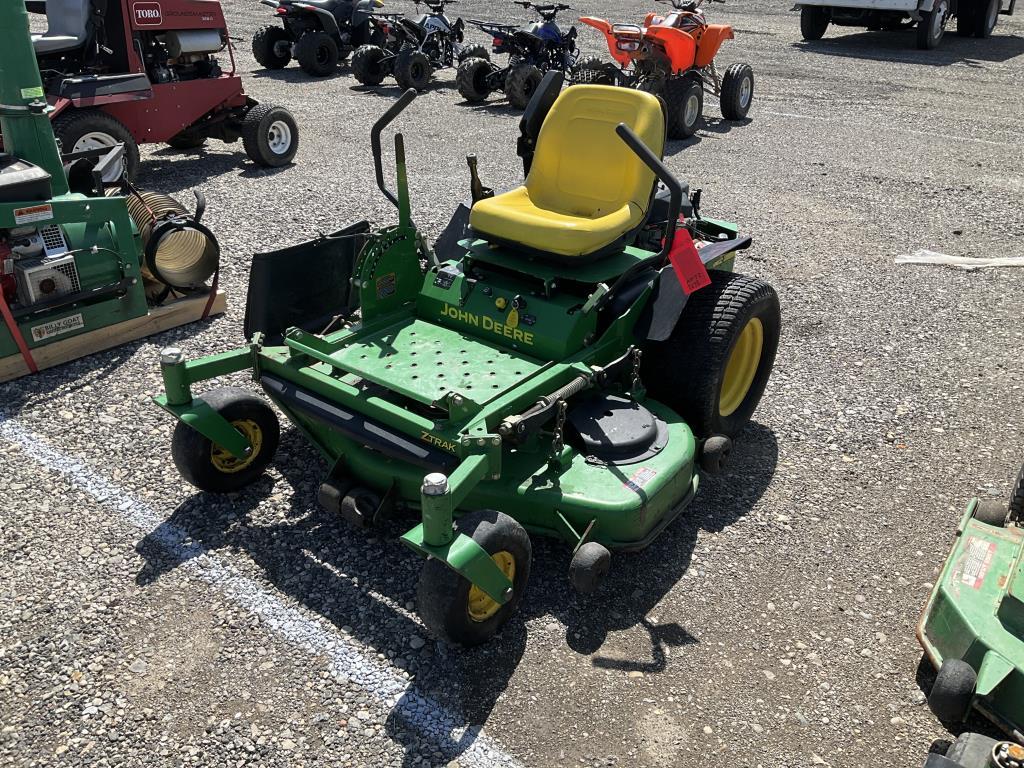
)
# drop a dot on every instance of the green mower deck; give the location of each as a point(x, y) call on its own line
point(496, 395)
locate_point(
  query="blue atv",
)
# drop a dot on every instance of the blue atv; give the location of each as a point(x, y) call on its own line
point(532, 51)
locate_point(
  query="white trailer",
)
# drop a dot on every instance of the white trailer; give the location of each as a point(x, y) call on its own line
point(975, 18)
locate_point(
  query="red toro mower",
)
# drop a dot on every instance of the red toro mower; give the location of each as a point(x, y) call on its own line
point(672, 56)
point(145, 71)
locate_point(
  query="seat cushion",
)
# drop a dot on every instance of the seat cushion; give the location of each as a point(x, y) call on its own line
point(514, 218)
point(55, 43)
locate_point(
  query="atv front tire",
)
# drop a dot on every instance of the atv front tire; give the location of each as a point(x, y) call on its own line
point(270, 135)
point(521, 83)
point(209, 467)
point(472, 77)
point(367, 67)
point(684, 100)
point(413, 70)
point(81, 129)
point(451, 607)
point(814, 20)
point(272, 47)
point(737, 91)
point(713, 368)
point(317, 53)
point(592, 70)
point(476, 51)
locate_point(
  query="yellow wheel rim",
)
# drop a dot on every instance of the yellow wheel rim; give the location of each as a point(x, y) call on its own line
point(741, 368)
point(480, 606)
point(224, 461)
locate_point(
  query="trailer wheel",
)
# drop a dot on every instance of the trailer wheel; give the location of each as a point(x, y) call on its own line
point(521, 83)
point(684, 100)
point(991, 512)
point(714, 367)
point(986, 14)
point(366, 65)
point(272, 47)
point(413, 70)
point(814, 21)
point(270, 135)
point(451, 607)
point(932, 25)
point(476, 51)
point(317, 53)
point(471, 78)
point(737, 91)
point(1017, 499)
point(951, 696)
point(209, 467)
point(81, 129)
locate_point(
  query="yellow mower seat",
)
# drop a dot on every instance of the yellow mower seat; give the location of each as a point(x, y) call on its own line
point(586, 189)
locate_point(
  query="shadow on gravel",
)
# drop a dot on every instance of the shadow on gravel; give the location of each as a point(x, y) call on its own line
point(176, 170)
point(638, 582)
point(900, 47)
point(296, 75)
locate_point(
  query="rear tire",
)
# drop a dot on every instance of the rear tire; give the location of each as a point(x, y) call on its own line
point(317, 53)
point(366, 65)
point(209, 467)
point(986, 14)
point(684, 100)
point(80, 129)
point(413, 70)
point(474, 52)
point(447, 602)
point(521, 84)
point(951, 696)
point(268, 46)
point(814, 20)
point(714, 367)
point(737, 91)
point(471, 79)
point(270, 135)
point(932, 26)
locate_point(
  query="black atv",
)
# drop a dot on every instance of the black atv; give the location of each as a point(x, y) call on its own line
point(415, 48)
point(317, 33)
point(532, 50)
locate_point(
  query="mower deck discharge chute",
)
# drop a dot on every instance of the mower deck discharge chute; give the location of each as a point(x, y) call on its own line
point(548, 379)
point(972, 628)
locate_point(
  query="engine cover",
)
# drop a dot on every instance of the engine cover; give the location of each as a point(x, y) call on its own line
point(616, 430)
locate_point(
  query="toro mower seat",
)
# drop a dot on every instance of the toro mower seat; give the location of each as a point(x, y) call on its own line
point(67, 24)
point(586, 190)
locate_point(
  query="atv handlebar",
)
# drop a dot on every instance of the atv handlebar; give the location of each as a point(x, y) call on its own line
point(385, 120)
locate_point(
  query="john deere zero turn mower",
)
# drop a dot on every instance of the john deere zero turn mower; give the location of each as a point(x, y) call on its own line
point(972, 628)
point(550, 380)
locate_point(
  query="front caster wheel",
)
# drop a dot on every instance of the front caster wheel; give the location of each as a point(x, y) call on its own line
point(458, 612)
point(589, 567)
point(208, 466)
point(951, 696)
point(715, 454)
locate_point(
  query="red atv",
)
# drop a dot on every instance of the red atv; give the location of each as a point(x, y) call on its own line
point(142, 71)
point(672, 56)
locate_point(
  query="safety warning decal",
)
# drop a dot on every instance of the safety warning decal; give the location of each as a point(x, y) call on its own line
point(33, 213)
point(640, 478)
point(977, 560)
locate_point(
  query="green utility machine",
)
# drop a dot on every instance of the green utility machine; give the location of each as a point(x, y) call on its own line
point(972, 628)
point(543, 377)
point(76, 258)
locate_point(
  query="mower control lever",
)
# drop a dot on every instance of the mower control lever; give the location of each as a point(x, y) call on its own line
point(385, 120)
point(664, 174)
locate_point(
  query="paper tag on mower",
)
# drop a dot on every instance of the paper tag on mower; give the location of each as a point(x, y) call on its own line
point(686, 262)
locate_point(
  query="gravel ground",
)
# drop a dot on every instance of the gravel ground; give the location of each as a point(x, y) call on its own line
point(142, 623)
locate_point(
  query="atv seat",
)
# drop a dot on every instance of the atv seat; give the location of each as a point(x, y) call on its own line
point(67, 24)
point(586, 192)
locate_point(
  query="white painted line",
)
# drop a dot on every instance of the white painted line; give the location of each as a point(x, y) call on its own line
point(315, 635)
point(969, 263)
point(875, 126)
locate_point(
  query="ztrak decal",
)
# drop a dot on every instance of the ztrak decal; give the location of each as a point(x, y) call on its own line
point(506, 329)
point(148, 14)
point(444, 445)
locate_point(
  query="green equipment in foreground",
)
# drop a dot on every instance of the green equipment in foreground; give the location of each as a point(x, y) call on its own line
point(975, 750)
point(972, 628)
point(549, 379)
point(75, 259)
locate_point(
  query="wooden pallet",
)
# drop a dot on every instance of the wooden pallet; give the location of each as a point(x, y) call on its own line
point(162, 318)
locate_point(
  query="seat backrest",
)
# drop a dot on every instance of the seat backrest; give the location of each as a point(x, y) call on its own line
point(68, 18)
point(581, 166)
